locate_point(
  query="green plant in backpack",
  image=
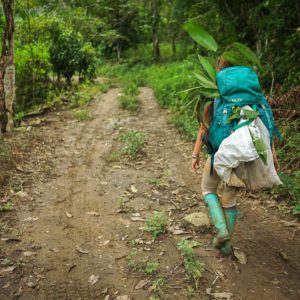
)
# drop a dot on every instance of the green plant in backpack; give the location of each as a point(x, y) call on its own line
point(231, 88)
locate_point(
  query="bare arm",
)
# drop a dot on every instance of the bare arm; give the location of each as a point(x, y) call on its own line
point(276, 164)
point(199, 143)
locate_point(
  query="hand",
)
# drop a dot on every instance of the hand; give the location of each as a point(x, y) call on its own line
point(195, 163)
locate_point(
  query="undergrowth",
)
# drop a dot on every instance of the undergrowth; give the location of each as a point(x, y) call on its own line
point(133, 143)
point(156, 224)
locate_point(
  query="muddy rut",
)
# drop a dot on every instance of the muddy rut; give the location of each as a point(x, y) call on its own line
point(77, 231)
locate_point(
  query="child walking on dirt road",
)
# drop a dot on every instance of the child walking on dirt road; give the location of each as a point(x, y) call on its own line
point(223, 212)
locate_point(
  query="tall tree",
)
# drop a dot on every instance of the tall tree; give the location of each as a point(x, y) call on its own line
point(7, 69)
point(155, 27)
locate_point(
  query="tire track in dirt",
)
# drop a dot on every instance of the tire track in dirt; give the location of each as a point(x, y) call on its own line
point(78, 231)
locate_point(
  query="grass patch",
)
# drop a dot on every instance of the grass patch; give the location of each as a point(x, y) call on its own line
point(156, 224)
point(133, 143)
point(186, 125)
point(114, 156)
point(193, 267)
point(82, 115)
point(129, 102)
point(151, 267)
point(8, 206)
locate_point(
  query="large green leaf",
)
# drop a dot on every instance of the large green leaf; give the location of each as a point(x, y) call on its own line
point(210, 70)
point(235, 58)
point(247, 53)
point(205, 82)
point(210, 93)
point(200, 36)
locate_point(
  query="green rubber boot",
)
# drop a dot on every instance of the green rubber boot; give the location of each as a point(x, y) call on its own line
point(231, 215)
point(217, 216)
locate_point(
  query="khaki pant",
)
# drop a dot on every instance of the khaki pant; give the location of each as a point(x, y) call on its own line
point(210, 185)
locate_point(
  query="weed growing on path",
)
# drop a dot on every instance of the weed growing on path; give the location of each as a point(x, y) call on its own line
point(156, 224)
point(151, 267)
point(82, 115)
point(114, 156)
point(130, 88)
point(157, 286)
point(190, 292)
point(133, 143)
point(8, 206)
point(129, 102)
point(193, 267)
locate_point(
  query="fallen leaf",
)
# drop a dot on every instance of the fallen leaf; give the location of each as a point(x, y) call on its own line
point(93, 213)
point(10, 239)
point(107, 297)
point(123, 297)
point(137, 219)
point(241, 256)
point(141, 284)
point(69, 215)
point(224, 295)
point(22, 194)
point(71, 268)
point(7, 270)
point(29, 253)
point(93, 279)
point(133, 189)
point(30, 219)
point(31, 284)
point(80, 250)
point(105, 243)
point(136, 214)
point(284, 256)
point(290, 223)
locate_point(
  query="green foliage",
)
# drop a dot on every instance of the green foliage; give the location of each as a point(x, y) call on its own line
point(32, 74)
point(190, 292)
point(18, 118)
point(200, 35)
point(290, 188)
point(156, 224)
point(133, 143)
point(8, 206)
point(114, 156)
point(130, 88)
point(194, 267)
point(129, 102)
point(151, 267)
point(82, 115)
point(186, 125)
point(69, 54)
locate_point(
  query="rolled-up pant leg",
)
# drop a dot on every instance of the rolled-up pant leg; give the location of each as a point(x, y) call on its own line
point(210, 185)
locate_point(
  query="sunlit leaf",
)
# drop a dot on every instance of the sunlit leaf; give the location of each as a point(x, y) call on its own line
point(200, 36)
point(210, 70)
point(205, 82)
point(235, 58)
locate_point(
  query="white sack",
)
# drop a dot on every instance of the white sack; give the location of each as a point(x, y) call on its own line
point(237, 156)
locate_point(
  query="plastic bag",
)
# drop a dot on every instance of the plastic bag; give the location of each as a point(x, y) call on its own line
point(237, 157)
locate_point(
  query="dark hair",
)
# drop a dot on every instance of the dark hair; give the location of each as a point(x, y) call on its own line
point(222, 64)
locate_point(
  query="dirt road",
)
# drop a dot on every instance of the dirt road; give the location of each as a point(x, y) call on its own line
point(77, 228)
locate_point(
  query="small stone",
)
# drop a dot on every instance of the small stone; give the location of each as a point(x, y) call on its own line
point(198, 219)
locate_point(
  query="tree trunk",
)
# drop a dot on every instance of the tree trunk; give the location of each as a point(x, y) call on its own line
point(7, 68)
point(173, 38)
point(155, 25)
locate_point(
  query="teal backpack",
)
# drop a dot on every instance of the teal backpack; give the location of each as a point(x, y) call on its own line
point(238, 86)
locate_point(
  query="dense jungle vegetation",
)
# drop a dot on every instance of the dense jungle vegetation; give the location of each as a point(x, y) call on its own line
point(142, 42)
